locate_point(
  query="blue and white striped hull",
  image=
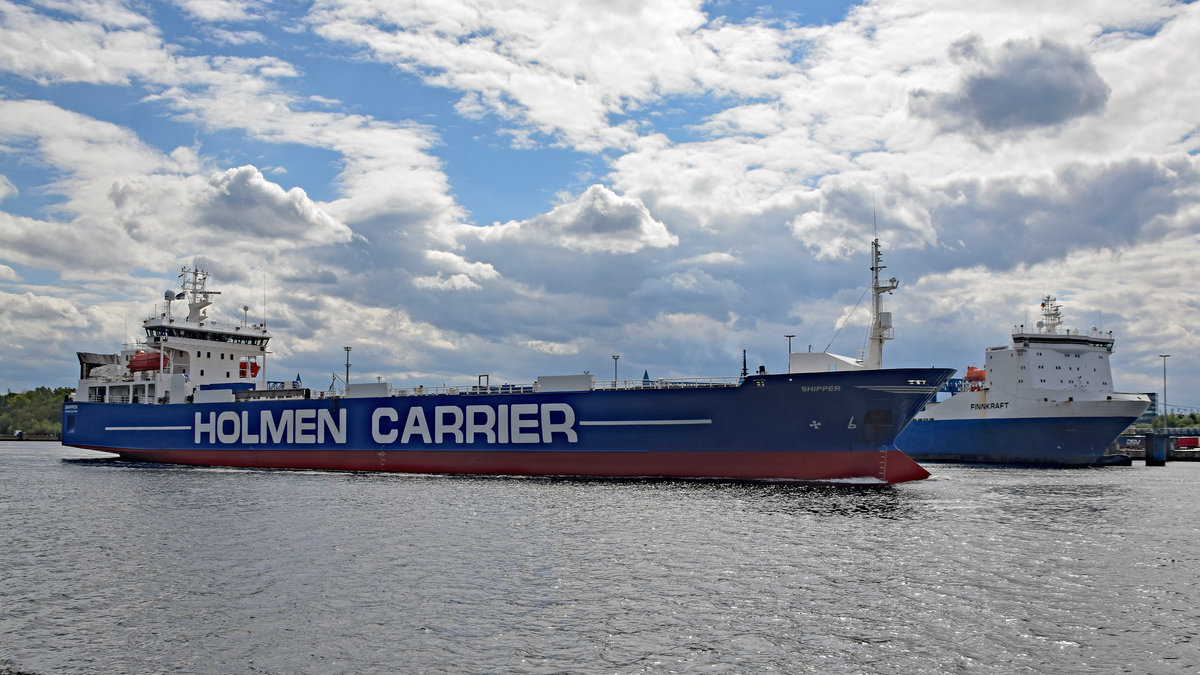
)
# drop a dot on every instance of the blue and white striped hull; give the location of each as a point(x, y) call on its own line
point(975, 427)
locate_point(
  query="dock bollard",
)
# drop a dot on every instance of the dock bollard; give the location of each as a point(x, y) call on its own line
point(1156, 450)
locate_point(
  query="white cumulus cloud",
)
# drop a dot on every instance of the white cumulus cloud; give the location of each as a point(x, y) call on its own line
point(599, 220)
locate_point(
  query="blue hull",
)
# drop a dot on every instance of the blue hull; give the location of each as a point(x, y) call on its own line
point(819, 426)
point(1035, 441)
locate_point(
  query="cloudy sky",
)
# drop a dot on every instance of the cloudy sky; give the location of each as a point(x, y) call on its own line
point(521, 187)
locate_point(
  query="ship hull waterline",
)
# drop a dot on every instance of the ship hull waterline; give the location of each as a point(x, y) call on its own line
point(887, 466)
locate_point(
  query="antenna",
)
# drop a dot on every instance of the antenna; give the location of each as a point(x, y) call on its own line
point(874, 224)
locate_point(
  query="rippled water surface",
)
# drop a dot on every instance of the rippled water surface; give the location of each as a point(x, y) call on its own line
point(125, 568)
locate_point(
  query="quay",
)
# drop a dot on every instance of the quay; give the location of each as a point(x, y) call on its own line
point(19, 436)
point(1158, 446)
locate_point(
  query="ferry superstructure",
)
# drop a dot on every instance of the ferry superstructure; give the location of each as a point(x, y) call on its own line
point(197, 394)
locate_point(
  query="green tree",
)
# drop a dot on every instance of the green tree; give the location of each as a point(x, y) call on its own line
point(1176, 420)
point(34, 412)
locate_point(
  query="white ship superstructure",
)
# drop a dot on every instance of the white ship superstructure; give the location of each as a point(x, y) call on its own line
point(179, 357)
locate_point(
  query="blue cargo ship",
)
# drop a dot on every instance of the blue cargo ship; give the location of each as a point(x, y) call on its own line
point(195, 392)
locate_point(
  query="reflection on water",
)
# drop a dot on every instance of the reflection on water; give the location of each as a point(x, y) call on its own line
point(117, 567)
point(1058, 505)
point(765, 497)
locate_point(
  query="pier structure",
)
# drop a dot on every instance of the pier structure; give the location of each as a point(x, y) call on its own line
point(1157, 446)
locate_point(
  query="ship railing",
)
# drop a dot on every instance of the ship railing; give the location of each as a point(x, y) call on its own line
point(123, 379)
point(421, 390)
point(111, 398)
point(141, 376)
point(601, 385)
point(675, 383)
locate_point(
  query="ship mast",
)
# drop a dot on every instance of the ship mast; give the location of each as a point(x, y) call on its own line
point(1051, 316)
point(196, 288)
point(881, 321)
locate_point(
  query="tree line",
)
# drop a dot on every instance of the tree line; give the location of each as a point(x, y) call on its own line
point(1176, 420)
point(33, 412)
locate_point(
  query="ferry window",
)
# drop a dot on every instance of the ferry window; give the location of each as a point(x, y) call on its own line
point(201, 372)
point(227, 373)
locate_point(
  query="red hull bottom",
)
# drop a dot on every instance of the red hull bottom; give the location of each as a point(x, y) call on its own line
point(890, 466)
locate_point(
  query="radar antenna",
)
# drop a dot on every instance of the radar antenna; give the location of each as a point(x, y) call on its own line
point(195, 288)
